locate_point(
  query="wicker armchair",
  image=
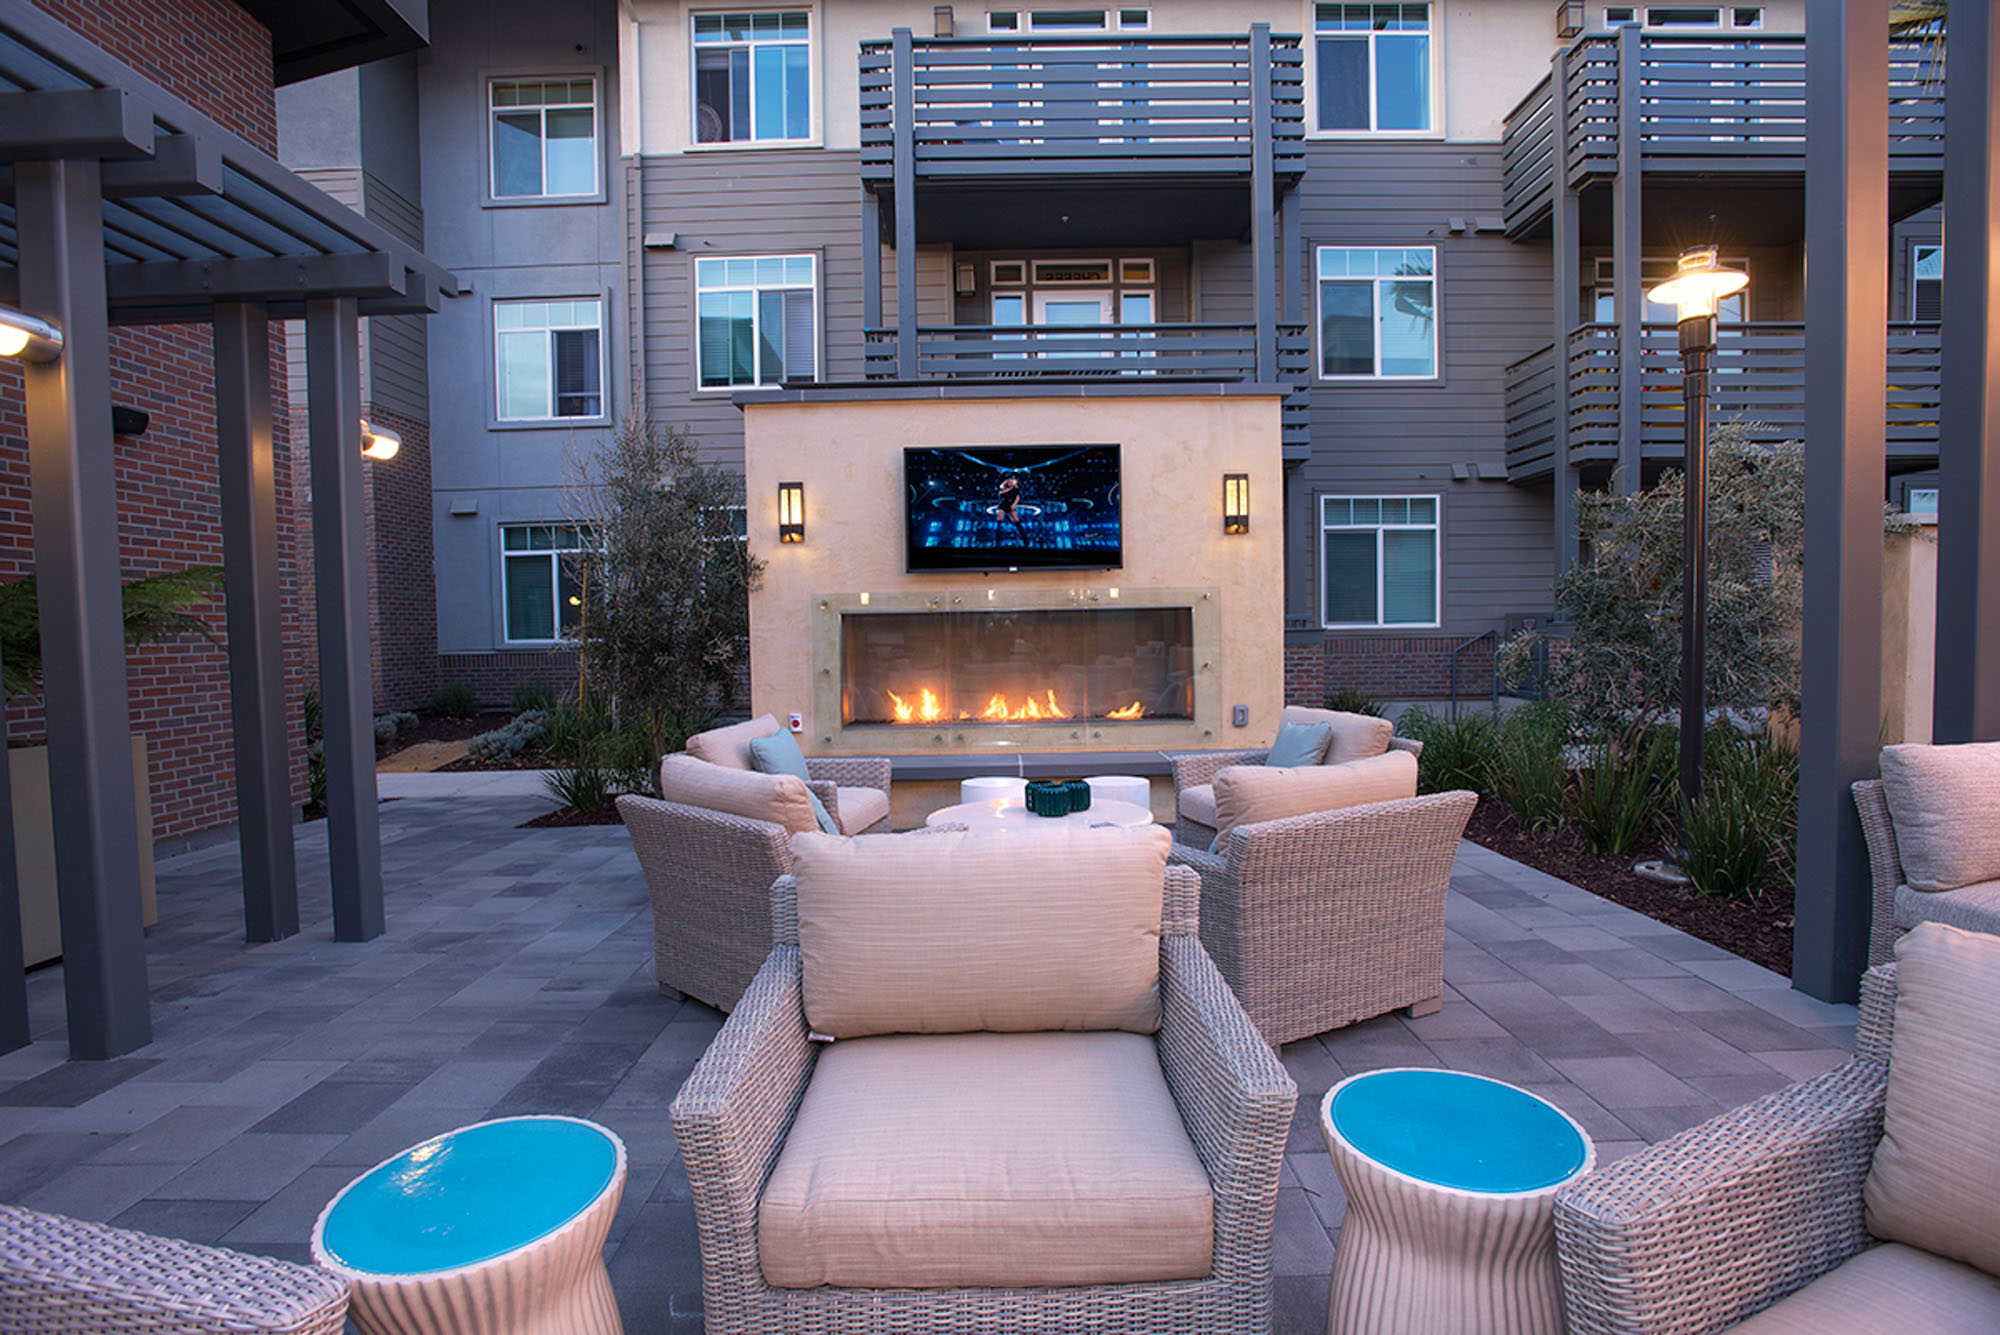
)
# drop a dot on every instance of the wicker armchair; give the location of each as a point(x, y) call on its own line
point(735, 1111)
point(1896, 907)
point(1192, 769)
point(62, 1274)
point(1319, 921)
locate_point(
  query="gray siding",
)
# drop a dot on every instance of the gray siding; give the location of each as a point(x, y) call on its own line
point(1493, 307)
point(395, 349)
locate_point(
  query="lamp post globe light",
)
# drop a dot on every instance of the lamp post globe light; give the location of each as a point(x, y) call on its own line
point(28, 337)
point(1699, 284)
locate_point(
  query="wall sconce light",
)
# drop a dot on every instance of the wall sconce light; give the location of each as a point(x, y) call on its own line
point(1569, 19)
point(1235, 503)
point(941, 20)
point(28, 337)
point(791, 512)
point(378, 442)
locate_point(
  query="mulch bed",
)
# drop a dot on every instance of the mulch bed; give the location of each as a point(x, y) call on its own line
point(564, 817)
point(1759, 930)
point(532, 757)
point(434, 728)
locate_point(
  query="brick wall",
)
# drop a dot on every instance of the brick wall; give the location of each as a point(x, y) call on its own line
point(493, 675)
point(1305, 670)
point(1406, 667)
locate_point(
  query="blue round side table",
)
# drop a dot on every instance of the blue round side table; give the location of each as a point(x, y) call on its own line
point(493, 1229)
point(1451, 1182)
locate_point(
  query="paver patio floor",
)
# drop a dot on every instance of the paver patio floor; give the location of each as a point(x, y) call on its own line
point(517, 977)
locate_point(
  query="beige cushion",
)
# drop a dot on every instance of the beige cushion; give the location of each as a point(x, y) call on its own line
point(730, 746)
point(1011, 1160)
point(1247, 794)
point(1975, 907)
point(1945, 804)
point(1198, 804)
point(1889, 1288)
point(778, 798)
point(1004, 930)
point(1935, 1182)
point(860, 808)
point(1355, 736)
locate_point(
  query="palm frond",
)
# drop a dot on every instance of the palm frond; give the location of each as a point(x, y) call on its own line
point(155, 608)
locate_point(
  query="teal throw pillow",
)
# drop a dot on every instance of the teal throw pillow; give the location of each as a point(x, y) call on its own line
point(779, 754)
point(1300, 744)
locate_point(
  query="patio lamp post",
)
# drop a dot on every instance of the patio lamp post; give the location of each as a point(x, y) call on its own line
point(1698, 285)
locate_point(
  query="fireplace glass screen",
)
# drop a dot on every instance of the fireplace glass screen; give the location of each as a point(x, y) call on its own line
point(1026, 666)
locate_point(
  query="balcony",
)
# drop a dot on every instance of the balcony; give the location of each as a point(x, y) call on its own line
point(1097, 106)
point(1160, 354)
point(1701, 105)
point(1759, 379)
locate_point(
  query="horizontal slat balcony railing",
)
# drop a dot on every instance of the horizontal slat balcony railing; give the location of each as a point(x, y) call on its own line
point(1704, 105)
point(1758, 381)
point(1070, 106)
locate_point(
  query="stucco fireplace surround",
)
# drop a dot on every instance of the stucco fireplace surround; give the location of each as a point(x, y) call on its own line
point(1165, 652)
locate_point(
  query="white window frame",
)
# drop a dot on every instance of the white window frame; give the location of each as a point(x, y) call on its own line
point(1021, 22)
point(1437, 108)
point(1915, 247)
point(555, 555)
point(550, 330)
point(813, 71)
point(1722, 15)
point(819, 315)
point(1375, 322)
point(1436, 530)
point(493, 113)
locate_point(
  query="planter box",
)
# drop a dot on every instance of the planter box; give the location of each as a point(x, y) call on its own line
point(35, 848)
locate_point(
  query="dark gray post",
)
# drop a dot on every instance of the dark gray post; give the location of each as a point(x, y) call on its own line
point(1967, 698)
point(340, 577)
point(248, 484)
point(871, 261)
point(1846, 357)
point(58, 206)
point(13, 980)
point(903, 114)
point(1296, 276)
point(1566, 254)
point(1697, 337)
point(1629, 293)
point(1263, 205)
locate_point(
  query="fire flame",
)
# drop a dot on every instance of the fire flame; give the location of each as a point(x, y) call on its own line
point(927, 708)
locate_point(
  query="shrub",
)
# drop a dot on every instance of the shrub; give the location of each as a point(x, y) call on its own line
point(388, 726)
point(584, 787)
point(511, 740)
point(1742, 827)
point(1348, 700)
point(532, 697)
point(455, 699)
point(1530, 765)
point(1457, 755)
point(315, 750)
point(1625, 788)
point(590, 737)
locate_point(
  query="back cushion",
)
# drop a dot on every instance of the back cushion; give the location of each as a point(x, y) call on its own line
point(778, 798)
point(1945, 804)
point(1935, 1183)
point(1246, 794)
point(1355, 736)
point(1007, 931)
point(730, 746)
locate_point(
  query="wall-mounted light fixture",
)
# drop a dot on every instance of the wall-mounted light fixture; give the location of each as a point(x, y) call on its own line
point(378, 442)
point(791, 512)
point(1235, 503)
point(1569, 19)
point(28, 337)
point(941, 25)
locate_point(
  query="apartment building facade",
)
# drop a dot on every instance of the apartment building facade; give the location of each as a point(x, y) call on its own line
point(1392, 215)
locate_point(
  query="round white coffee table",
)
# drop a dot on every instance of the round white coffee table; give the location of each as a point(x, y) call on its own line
point(987, 787)
point(1133, 788)
point(1003, 815)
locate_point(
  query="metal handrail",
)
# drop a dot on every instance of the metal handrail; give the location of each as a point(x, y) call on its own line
point(1493, 635)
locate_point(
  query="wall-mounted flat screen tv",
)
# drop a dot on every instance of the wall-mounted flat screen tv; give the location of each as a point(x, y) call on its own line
point(1012, 507)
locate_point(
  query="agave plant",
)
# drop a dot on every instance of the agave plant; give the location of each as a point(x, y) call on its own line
point(157, 608)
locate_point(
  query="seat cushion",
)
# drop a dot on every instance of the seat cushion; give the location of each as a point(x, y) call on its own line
point(1945, 804)
point(1002, 930)
point(778, 798)
point(1247, 794)
point(1355, 736)
point(1935, 1182)
point(1198, 803)
point(730, 746)
point(1887, 1288)
point(861, 808)
point(1010, 1160)
point(1974, 907)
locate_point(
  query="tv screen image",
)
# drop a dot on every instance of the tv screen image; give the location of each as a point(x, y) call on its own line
point(1012, 507)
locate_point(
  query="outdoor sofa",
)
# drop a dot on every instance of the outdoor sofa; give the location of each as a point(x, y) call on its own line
point(1858, 1202)
point(1932, 822)
point(1349, 737)
point(1037, 1106)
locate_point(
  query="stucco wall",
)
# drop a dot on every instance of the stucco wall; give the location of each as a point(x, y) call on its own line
point(1175, 450)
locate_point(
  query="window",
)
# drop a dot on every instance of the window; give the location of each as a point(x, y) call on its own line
point(542, 599)
point(1374, 65)
point(758, 320)
point(1379, 560)
point(1746, 16)
point(752, 78)
point(544, 135)
point(1683, 16)
point(1069, 20)
point(1377, 312)
point(549, 359)
point(1619, 15)
point(1927, 281)
point(1654, 270)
